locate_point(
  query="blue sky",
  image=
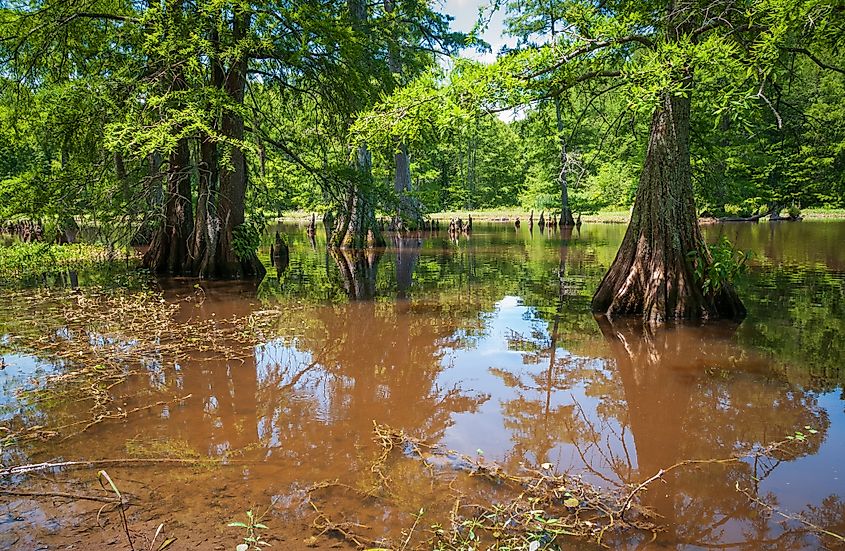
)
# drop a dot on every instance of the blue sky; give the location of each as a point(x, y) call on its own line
point(465, 13)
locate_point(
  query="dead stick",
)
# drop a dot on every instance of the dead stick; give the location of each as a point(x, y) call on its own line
point(59, 494)
point(22, 469)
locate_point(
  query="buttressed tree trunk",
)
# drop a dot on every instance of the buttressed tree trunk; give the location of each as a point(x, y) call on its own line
point(356, 226)
point(169, 247)
point(233, 179)
point(201, 243)
point(652, 275)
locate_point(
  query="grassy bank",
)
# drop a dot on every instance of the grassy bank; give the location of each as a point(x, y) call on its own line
point(19, 261)
point(823, 214)
point(484, 215)
point(510, 214)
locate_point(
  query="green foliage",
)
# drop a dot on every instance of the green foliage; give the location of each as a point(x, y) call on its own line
point(27, 260)
point(246, 238)
point(724, 265)
point(252, 539)
point(768, 120)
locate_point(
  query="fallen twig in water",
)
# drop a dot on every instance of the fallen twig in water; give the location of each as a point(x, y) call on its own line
point(797, 518)
point(519, 509)
point(62, 495)
point(34, 467)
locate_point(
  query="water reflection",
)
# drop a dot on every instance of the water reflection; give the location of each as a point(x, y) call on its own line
point(691, 393)
point(357, 272)
point(487, 344)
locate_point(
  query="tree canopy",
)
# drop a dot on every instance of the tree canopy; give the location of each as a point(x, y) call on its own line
point(185, 125)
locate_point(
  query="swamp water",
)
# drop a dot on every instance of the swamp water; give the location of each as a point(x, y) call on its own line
point(484, 346)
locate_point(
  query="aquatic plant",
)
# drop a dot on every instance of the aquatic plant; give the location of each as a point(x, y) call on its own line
point(725, 265)
point(252, 538)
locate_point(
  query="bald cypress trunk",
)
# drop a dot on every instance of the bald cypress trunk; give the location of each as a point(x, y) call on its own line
point(356, 227)
point(208, 249)
point(202, 240)
point(169, 247)
point(566, 218)
point(652, 275)
point(224, 261)
point(401, 161)
point(402, 184)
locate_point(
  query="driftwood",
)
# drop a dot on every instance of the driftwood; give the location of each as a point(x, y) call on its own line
point(772, 212)
point(752, 218)
point(779, 218)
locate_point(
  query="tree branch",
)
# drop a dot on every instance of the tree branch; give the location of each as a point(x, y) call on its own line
point(103, 16)
point(814, 59)
point(589, 48)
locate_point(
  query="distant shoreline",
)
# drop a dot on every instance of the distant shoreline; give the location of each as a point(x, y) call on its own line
point(603, 217)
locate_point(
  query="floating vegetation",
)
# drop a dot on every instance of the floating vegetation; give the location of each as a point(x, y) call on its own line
point(96, 340)
point(493, 508)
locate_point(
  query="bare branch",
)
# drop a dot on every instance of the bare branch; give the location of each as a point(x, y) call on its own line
point(815, 59)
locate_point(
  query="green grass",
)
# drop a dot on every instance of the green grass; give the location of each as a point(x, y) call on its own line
point(509, 214)
point(22, 260)
point(823, 213)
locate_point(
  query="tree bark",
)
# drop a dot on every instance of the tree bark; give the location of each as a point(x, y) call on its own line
point(207, 225)
point(402, 184)
point(233, 178)
point(652, 275)
point(169, 247)
point(205, 231)
point(356, 227)
point(566, 218)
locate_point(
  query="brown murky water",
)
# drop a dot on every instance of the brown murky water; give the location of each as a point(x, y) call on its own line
point(485, 346)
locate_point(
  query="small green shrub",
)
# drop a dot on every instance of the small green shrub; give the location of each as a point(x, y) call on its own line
point(726, 263)
point(252, 539)
point(736, 210)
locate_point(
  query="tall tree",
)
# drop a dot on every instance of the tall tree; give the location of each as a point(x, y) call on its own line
point(660, 53)
point(534, 21)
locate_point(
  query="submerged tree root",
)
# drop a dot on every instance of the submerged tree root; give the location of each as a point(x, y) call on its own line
point(496, 509)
